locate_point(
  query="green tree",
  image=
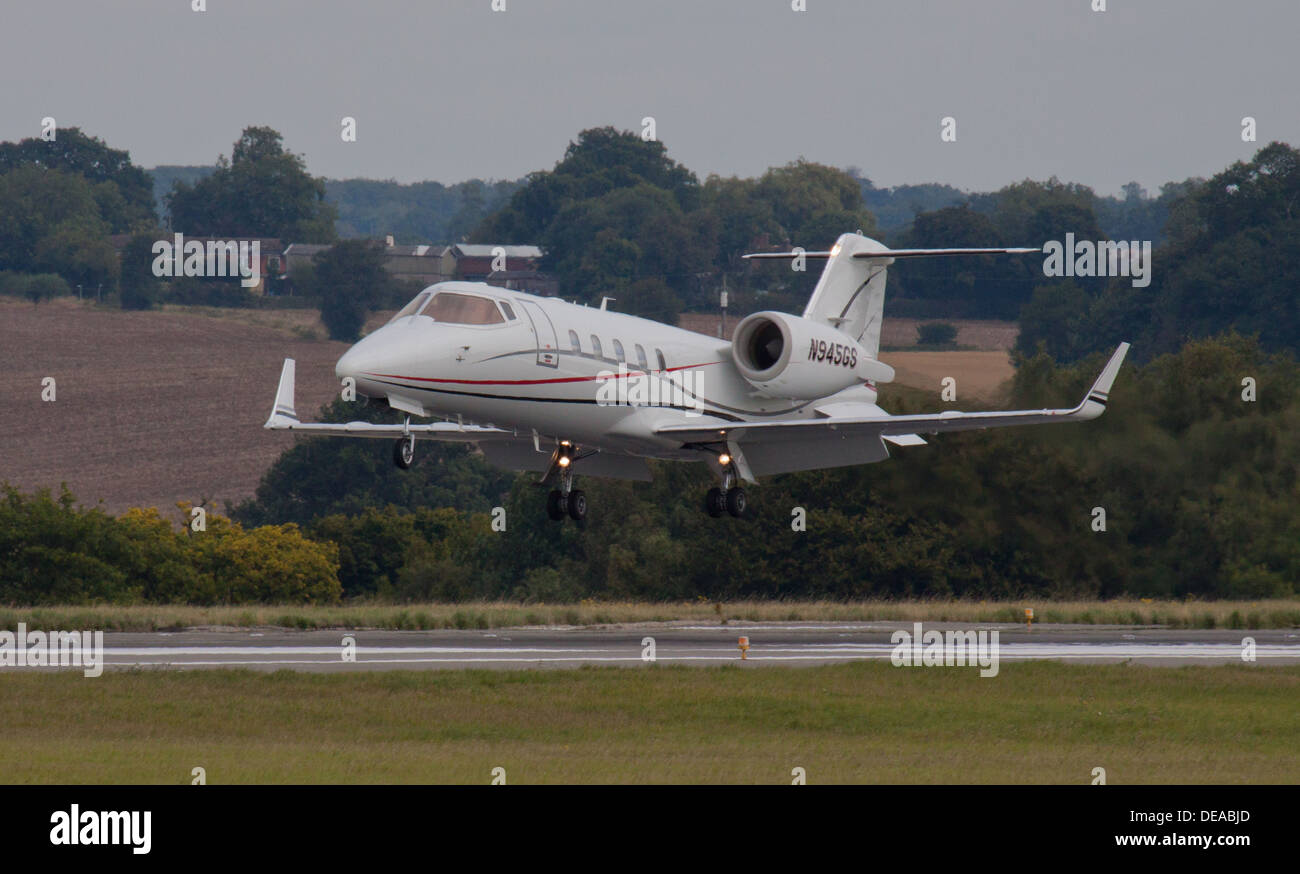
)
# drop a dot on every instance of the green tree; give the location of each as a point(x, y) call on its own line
point(802, 194)
point(123, 191)
point(36, 204)
point(140, 288)
point(261, 191)
point(349, 277)
point(79, 256)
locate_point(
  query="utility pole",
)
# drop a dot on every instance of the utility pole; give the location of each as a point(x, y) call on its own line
point(722, 327)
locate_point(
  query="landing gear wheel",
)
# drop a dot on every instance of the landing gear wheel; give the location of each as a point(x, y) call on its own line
point(555, 505)
point(404, 452)
point(715, 502)
point(736, 502)
point(577, 505)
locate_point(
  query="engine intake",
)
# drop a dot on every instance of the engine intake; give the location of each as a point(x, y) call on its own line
point(789, 357)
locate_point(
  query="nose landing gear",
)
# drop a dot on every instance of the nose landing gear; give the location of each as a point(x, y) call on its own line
point(730, 498)
point(566, 500)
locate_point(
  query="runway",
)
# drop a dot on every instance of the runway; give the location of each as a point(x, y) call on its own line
point(789, 644)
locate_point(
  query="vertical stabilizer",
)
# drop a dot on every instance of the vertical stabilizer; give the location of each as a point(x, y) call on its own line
point(850, 296)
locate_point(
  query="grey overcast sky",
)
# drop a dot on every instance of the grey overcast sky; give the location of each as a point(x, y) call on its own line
point(1152, 90)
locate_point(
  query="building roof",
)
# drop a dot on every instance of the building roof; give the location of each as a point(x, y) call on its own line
point(484, 250)
point(305, 248)
point(416, 251)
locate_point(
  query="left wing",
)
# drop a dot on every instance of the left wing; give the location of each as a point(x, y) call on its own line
point(501, 447)
point(750, 433)
point(285, 418)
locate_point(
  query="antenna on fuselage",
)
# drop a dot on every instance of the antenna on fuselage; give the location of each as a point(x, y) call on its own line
point(605, 300)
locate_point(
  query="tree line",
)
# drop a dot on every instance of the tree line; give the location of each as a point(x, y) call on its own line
point(1192, 469)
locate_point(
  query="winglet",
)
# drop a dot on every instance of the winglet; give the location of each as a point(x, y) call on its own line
point(1100, 391)
point(283, 409)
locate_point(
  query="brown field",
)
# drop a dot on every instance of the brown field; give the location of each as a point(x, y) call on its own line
point(154, 407)
point(980, 376)
point(982, 334)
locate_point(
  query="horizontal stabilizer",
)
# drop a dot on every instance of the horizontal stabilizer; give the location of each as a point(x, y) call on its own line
point(895, 253)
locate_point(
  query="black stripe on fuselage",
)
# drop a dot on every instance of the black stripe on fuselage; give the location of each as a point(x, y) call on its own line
point(593, 401)
point(770, 414)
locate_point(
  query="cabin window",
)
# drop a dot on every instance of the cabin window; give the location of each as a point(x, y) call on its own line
point(574, 343)
point(640, 358)
point(463, 309)
point(413, 307)
point(659, 356)
point(506, 308)
point(618, 351)
point(595, 347)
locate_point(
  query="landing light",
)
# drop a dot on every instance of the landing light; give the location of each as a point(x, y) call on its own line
point(564, 461)
point(724, 459)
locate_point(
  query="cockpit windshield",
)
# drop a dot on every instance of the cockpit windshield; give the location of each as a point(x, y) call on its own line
point(413, 307)
point(463, 309)
point(453, 308)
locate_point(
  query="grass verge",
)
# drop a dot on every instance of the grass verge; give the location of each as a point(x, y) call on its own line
point(1172, 614)
point(858, 723)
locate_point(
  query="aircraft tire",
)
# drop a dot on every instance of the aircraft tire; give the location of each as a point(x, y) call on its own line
point(404, 452)
point(715, 502)
point(577, 505)
point(555, 505)
point(736, 502)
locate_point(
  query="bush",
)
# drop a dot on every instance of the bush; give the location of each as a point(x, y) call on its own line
point(936, 334)
point(53, 552)
point(36, 287)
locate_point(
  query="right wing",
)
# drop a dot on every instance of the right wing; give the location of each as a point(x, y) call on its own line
point(783, 445)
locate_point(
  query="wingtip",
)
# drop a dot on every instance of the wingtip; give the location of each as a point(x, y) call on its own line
point(1100, 391)
point(284, 410)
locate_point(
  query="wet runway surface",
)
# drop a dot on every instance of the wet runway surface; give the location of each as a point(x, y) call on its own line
point(789, 644)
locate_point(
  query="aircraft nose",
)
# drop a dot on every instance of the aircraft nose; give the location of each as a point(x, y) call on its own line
point(348, 365)
point(365, 356)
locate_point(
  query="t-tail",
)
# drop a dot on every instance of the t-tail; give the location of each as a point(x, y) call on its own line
point(850, 295)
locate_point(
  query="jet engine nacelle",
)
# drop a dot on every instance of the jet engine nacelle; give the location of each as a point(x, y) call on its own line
point(784, 356)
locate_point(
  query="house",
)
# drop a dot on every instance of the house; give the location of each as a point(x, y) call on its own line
point(301, 255)
point(429, 264)
point(473, 262)
point(421, 264)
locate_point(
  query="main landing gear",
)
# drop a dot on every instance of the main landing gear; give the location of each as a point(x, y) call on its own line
point(404, 451)
point(730, 498)
point(566, 500)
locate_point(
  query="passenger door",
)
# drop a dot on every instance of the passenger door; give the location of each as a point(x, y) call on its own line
point(548, 347)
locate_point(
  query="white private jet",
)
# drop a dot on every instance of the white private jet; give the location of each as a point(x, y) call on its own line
point(538, 384)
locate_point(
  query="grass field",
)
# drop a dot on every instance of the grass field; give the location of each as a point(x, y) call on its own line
point(1172, 614)
point(857, 723)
